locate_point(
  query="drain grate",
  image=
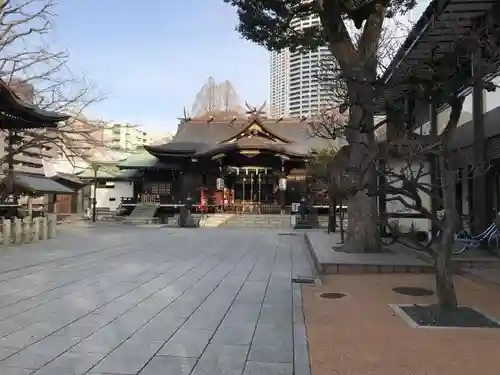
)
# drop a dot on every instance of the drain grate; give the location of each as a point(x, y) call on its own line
point(303, 280)
point(288, 234)
point(413, 291)
point(332, 295)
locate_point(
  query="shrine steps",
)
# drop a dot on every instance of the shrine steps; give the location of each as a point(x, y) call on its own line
point(142, 214)
point(258, 221)
point(214, 220)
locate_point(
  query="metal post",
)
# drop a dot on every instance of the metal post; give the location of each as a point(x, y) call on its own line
point(94, 200)
point(342, 232)
point(251, 187)
point(283, 191)
point(243, 188)
point(259, 181)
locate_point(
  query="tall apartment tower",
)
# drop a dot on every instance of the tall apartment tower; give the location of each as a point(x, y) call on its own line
point(294, 78)
point(280, 83)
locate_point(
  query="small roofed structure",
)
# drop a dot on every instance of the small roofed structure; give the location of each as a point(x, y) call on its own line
point(141, 160)
point(16, 115)
point(33, 185)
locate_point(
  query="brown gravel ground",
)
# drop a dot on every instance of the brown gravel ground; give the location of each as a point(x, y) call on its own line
point(361, 335)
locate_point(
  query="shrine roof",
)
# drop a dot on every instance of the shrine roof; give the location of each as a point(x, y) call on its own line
point(292, 149)
point(197, 137)
point(23, 114)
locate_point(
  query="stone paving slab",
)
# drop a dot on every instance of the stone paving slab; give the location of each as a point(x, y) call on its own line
point(330, 261)
point(104, 300)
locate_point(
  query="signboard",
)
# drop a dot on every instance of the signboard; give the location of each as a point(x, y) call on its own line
point(295, 207)
point(220, 183)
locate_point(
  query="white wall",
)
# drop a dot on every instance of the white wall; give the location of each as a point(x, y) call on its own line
point(116, 190)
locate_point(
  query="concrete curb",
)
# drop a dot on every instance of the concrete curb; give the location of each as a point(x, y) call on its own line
point(317, 264)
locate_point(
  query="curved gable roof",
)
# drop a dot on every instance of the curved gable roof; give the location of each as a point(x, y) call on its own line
point(203, 136)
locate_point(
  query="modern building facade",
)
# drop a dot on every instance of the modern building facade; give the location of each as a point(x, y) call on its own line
point(295, 87)
point(124, 137)
point(279, 83)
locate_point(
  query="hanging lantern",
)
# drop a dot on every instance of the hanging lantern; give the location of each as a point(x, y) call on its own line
point(220, 183)
point(282, 184)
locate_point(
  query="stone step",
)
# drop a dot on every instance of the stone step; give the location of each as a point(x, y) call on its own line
point(258, 221)
point(215, 221)
point(141, 211)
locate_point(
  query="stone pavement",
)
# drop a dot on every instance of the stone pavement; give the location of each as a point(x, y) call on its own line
point(125, 300)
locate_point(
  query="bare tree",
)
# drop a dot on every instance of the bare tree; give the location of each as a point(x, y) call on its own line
point(38, 74)
point(402, 163)
point(271, 24)
point(214, 98)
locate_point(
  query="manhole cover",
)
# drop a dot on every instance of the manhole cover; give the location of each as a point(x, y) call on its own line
point(303, 280)
point(413, 291)
point(332, 295)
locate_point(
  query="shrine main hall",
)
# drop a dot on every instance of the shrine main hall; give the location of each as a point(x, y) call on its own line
point(228, 161)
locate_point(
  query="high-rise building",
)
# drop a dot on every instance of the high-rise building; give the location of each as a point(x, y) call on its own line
point(280, 83)
point(295, 88)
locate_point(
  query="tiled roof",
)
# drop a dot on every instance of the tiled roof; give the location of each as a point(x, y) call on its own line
point(197, 137)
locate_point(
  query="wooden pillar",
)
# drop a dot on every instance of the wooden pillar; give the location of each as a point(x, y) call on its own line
point(434, 164)
point(410, 112)
point(392, 130)
point(481, 214)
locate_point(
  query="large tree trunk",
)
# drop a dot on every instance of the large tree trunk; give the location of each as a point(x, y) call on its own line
point(362, 233)
point(447, 298)
point(362, 215)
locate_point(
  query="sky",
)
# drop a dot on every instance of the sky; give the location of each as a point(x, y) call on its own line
point(150, 58)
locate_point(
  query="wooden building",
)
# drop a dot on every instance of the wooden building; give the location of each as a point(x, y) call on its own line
point(17, 116)
point(252, 164)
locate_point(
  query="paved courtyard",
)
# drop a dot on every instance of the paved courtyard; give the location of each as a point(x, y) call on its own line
point(125, 300)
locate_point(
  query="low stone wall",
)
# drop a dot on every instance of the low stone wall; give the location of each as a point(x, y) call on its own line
point(27, 230)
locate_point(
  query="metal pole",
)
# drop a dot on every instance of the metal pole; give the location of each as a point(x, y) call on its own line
point(94, 200)
point(251, 187)
point(259, 179)
point(243, 188)
point(259, 193)
point(341, 221)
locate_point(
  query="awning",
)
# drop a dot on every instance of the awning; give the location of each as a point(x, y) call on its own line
point(108, 173)
point(66, 178)
point(39, 185)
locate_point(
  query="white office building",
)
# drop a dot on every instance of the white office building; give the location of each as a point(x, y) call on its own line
point(295, 89)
